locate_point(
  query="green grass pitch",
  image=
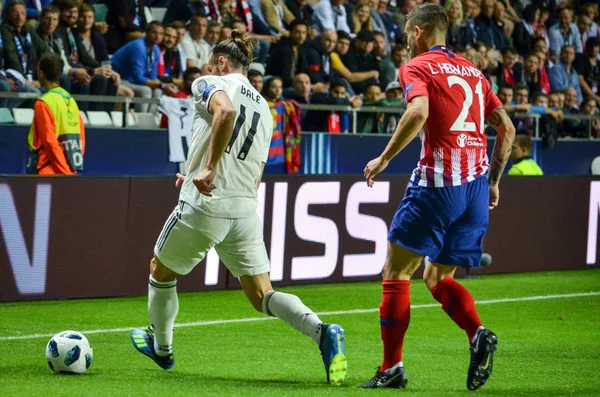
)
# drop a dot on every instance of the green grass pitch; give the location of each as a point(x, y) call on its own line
point(547, 347)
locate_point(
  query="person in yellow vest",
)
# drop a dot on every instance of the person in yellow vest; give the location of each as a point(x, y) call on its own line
point(57, 136)
point(523, 163)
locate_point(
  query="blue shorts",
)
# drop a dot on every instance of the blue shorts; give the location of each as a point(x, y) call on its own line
point(446, 224)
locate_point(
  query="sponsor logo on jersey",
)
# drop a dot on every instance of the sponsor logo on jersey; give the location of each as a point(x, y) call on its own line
point(461, 140)
point(464, 140)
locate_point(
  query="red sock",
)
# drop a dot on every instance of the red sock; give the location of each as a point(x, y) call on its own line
point(394, 316)
point(458, 303)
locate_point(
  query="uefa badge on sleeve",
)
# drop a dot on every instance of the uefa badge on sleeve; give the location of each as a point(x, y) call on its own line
point(201, 87)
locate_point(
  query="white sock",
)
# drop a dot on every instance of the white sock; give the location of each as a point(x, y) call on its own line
point(163, 306)
point(290, 309)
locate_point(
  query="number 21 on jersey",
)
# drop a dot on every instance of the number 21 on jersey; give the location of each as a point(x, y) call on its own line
point(461, 124)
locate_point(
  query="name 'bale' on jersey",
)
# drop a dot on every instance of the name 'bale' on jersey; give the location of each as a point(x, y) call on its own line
point(239, 169)
point(453, 141)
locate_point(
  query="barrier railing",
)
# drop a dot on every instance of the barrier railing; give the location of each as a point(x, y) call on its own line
point(127, 101)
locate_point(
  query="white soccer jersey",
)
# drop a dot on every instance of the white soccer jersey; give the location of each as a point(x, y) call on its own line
point(240, 167)
point(180, 113)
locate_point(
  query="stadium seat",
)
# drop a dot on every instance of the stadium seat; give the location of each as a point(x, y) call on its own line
point(84, 117)
point(117, 118)
point(146, 121)
point(148, 14)
point(158, 13)
point(99, 119)
point(101, 12)
point(6, 117)
point(23, 116)
point(596, 166)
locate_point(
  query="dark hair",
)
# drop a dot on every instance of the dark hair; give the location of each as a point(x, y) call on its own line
point(14, 3)
point(254, 73)
point(238, 49)
point(51, 65)
point(268, 83)
point(337, 83)
point(529, 12)
point(506, 50)
point(190, 71)
point(538, 95)
point(371, 85)
point(397, 48)
point(67, 4)
point(49, 10)
point(297, 22)
point(212, 23)
point(590, 43)
point(565, 46)
point(588, 99)
point(378, 33)
point(521, 86)
point(154, 23)
point(532, 54)
point(428, 16)
point(535, 40)
point(85, 7)
point(343, 35)
point(506, 87)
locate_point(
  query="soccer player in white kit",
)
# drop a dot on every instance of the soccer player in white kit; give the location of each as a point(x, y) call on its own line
point(232, 131)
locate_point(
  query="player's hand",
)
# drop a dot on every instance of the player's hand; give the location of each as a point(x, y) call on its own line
point(204, 181)
point(494, 196)
point(373, 168)
point(179, 180)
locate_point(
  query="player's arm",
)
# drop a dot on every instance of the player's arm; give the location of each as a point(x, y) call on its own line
point(505, 137)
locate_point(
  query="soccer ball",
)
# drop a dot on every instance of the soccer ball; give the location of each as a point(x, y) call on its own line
point(69, 352)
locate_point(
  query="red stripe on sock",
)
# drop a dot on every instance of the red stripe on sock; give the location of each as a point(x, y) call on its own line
point(458, 303)
point(394, 316)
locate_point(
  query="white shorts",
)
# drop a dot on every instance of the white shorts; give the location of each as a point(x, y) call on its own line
point(188, 234)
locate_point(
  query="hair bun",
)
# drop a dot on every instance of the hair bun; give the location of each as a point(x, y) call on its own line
point(237, 34)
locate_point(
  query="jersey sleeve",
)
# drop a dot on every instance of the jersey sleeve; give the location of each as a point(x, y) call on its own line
point(413, 81)
point(204, 88)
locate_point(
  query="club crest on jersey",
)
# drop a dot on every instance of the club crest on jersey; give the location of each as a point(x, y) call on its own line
point(201, 86)
point(461, 140)
point(406, 90)
point(207, 91)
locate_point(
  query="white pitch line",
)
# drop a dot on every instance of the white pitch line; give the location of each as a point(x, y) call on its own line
point(338, 312)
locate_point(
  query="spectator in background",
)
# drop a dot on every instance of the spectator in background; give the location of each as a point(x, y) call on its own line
point(137, 63)
point(502, 21)
point(573, 127)
point(22, 49)
point(454, 36)
point(470, 32)
point(360, 59)
point(361, 18)
point(544, 79)
point(531, 73)
point(553, 100)
point(339, 17)
point(563, 74)
point(342, 49)
point(378, 25)
point(170, 69)
point(588, 68)
point(181, 30)
point(273, 89)
point(300, 9)
point(326, 121)
point(584, 24)
point(506, 94)
point(525, 31)
point(189, 76)
point(94, 44)
point(301, 89)
point(262, 42)
point(399, 58)
point(510, 71)
point(256, 79)
point(195, 47)
point(386, 66)
point(278, 16)
point(287, 57)
point(213, 32)
point(589, 107)
point(318, 55)
point(392, 29)
point(488, 30)
point(126, 20)
point(564, 33)
point(57, 136)
point(523, 163)
point(591, 11)
point(88, 76)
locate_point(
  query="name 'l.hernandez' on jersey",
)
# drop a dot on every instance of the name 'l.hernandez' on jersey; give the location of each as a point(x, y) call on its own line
point(240, 167)
point(453, 141)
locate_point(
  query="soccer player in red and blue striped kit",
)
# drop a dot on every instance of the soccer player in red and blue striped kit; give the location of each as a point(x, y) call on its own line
point(444, 215)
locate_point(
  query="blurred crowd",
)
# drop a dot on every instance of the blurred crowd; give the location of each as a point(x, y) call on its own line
point(541, 56)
